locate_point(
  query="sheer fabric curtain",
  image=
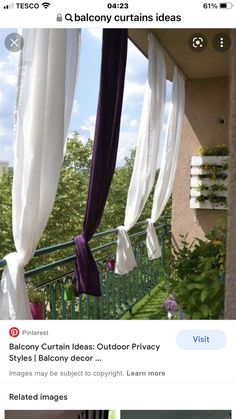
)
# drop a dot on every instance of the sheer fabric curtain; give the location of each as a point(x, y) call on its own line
point(169, 160)
point(145, 164)
point(46, 84)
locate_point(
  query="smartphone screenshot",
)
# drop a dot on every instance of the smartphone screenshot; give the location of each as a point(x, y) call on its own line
point(117, 210)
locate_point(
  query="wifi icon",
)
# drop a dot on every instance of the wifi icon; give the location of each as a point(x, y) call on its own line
point(45, 4)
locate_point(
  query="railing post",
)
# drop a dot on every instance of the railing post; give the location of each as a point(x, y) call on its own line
point(53, 303)
point(163, 236)
point(88, 306)
point(113, 302)
point(118, 293)
point(101, 298)
point(72, 309)
point(95, 311)
point(80, 307)
point(108, 297)
point(63, 308)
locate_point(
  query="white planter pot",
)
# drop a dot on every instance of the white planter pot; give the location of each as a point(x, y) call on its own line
point(204, 177)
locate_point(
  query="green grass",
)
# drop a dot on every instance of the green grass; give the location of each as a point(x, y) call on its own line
point(149, 308)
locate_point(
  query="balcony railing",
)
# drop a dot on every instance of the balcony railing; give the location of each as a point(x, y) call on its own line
point(51, 273)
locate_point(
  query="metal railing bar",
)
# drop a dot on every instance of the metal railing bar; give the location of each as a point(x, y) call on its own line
point(64, 261)
point(49, 266)
point(53, 280)
point(70, 243)
point(55, 247)
point(103, 246)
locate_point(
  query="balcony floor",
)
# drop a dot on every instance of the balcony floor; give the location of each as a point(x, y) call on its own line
point(149, 308)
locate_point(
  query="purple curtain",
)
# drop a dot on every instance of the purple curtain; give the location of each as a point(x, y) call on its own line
point(114, 54)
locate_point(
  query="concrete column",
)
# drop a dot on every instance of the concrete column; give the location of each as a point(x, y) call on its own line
point(230, 283)
point(206, 108)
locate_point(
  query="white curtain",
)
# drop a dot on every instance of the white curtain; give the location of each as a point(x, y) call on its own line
point(169, 160)
point(145, 164)
point(46, 85)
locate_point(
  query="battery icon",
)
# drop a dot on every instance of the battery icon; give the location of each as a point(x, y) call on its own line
point(227, 5)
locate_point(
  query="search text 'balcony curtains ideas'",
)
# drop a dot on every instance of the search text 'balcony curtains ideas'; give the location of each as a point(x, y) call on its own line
point(145, 165)
point(169, 160)
point(46, 84)
point(114, 55)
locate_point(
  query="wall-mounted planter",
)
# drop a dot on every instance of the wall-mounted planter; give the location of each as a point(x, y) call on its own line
point(209, 180)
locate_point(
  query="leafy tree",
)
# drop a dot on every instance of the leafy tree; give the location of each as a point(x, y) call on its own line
point(66, 219)
point(6, 239)
point(67, 216)
point(114, 211)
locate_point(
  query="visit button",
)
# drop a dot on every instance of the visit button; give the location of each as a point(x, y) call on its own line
point(201, 339)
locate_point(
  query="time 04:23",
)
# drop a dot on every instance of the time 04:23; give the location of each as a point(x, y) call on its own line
point(117, 5)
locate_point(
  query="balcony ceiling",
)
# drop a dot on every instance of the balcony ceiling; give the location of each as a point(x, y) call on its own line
point(195, 65)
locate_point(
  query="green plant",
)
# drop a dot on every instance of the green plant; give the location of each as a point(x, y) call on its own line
point(216, 187)
point(214, 199)
point(35, 295)
point(215, 170)
point(68, 286)
point(222, 176)
point(219, 150)
point(214, 167)
point(196, 278)
point(217, 200)
point(201, 187)
point(201, 198)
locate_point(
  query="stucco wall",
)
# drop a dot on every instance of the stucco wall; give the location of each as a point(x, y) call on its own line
point(206, 106)
point(230, 282)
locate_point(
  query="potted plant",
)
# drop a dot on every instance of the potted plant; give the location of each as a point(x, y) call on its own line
point(111, 265)
point(68, 291)
point(36, 298)
point(219, 150)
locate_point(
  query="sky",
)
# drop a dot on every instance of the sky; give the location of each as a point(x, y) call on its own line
point(86, 95)
point(8, 76)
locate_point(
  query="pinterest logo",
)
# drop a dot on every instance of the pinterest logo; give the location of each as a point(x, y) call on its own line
point(14, 332)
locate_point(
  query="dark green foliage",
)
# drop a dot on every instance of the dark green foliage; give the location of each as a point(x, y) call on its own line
point(197, 275)
point(213, 198)
point(219, 150)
